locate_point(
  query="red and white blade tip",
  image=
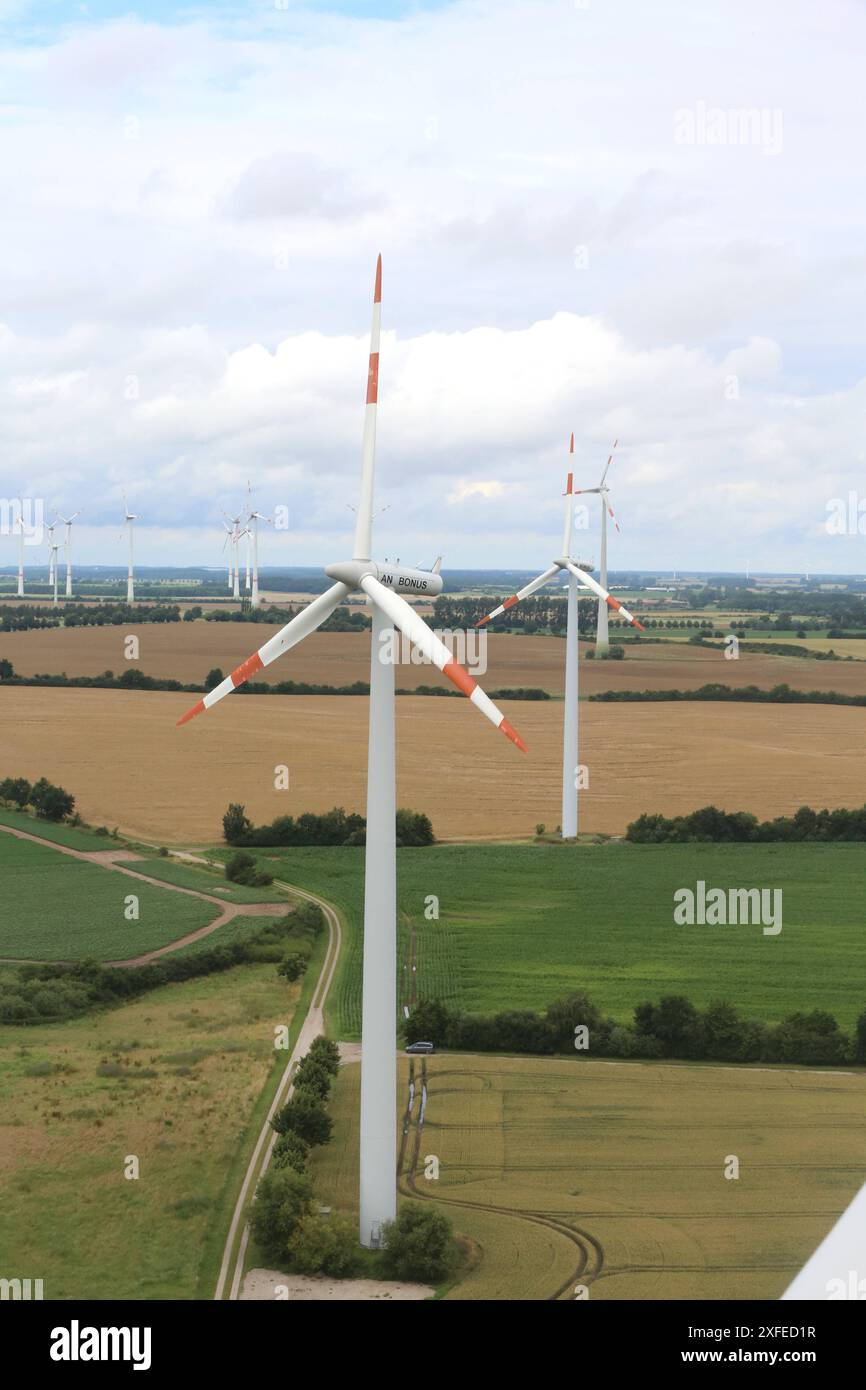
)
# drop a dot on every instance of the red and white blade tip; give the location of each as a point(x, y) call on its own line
point(198, 708)
point(377, 293)
point(571, 445)
point(511, 733)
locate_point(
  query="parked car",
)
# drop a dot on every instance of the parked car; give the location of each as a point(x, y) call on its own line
point(425, 1047)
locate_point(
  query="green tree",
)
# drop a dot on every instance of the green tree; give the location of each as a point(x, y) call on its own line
point(419, 1244)
point(290, 1151)
point(311, 1076)
point(306, 1116)
point(283, 1199)
point(15, 789)
point(326, 1052)
point(213, 678)
point(235, 824)
point(50, 802)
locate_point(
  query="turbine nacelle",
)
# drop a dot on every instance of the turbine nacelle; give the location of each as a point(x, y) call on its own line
point(402, 579)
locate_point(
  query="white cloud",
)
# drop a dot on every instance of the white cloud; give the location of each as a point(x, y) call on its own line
point(196, 207)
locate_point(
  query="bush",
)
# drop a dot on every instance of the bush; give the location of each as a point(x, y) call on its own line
point(419, 1245)
point(292, 966)
point(283, 1199)
point(306, 1116)
point(236, 824)
point(325, 1246)
point(241, 868)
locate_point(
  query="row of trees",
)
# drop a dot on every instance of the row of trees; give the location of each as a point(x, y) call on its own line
point(23, 617)
point(289, 1225)
point(777, 695)
point(671, 1028)
point(336, 827)
point(710, 825)
point(47, 800)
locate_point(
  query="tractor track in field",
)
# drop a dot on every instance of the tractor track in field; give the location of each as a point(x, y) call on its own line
point(591, 1251)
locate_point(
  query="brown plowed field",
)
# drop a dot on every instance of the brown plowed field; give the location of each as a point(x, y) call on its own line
point(188, 651)
point(128, 765)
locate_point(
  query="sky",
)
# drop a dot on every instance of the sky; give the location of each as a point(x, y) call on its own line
point(638, 222)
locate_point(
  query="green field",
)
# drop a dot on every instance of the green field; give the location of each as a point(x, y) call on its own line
point(177, 1079)
point(55, 907)
point(68, 835)
point(204, 881)
point(611, 1175)
point(520, 925)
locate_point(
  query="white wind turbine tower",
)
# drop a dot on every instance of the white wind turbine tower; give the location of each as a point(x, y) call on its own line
point(53, 567)
point(577, 576)
point(602, 645)
point(233, 540)
point(384, 586)
point(129, 518)
point(67, 522)
point(52, 552)
point(229, 530)
point(19, 522)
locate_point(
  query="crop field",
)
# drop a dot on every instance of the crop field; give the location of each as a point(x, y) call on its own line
point(175, 1079)
point(521, 925)
point(202, 881)
point(69, 835)
point(568, 1172)
point(171, 786)
point(55, 907)
point(188, 651)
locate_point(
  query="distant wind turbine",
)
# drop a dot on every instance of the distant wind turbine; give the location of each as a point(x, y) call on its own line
point(129, 518)
point(576, 576)
point(67, 522)
point(602, 645)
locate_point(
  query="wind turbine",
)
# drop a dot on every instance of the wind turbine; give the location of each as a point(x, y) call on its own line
point(602, 645)
point(67, 522)
point(53, 567)
point(234, 536)
point(384, 586)
point(129, 518)
point(19, 522)
point(576, 576)
point(230, 532)
point(52, 552)
point(255, 517)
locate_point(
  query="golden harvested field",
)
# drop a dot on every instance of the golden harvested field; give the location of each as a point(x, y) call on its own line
point(188, 651)
point(121, 755)
point(612, 1174)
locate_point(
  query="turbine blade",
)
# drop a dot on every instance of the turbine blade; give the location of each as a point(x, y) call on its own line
point(589, 583)
point(364, 525)
point(609, 462)
point(294, 632)
point(614, 520)
point(420, 635)
point(521, 593)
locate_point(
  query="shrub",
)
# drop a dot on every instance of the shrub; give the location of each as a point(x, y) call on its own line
point(292, 966)
point(326, 1053)
point(15, 789)
point(50, 802)
point(325, 1246)
point(241, 868)
point(312, 1077)
point(419, 1244)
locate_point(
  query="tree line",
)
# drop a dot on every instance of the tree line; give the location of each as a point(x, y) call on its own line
point(709, 825)
point(335, 827)
point(777, 695)
point(673, 1028)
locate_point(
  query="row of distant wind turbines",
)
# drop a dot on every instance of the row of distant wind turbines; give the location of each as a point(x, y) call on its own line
point(242, 527)
point(384, 586)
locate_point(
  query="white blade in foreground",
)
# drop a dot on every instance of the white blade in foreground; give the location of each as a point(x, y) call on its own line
point(420, 635)
point(838, 1266)
point(589, 583)
point(521, 593)
point(294, 632)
